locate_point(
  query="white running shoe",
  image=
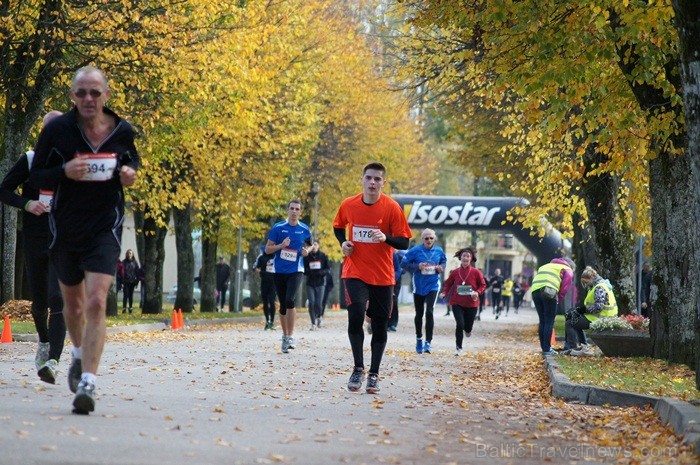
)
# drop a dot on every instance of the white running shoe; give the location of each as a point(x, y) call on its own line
point(48, 372)
point(42, 355)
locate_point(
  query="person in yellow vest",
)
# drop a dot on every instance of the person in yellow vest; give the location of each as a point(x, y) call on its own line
point(599, 302)
point(550, 285)
point(507, 292)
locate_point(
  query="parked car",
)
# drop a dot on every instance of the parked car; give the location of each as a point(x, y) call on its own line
point(197, 295)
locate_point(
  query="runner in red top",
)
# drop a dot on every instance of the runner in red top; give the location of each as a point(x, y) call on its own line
point(464, 286)
point(369, 226)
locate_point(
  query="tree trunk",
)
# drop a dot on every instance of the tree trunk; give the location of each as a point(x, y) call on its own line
point(675, 239)
point(8, 234)
point(584, 251)
point(139, 219)
point(674, 222)
point(207, 282)
point(254, 279)
point(688, 25)
point(248, 275)
point(112, 305)
point(614, 249)
point(154, 239)
point(185, 259)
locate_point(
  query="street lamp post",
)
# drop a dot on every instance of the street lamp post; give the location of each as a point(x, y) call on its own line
point(315, 188)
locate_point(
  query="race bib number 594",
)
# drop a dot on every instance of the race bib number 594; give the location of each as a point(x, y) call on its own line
point(101, 166)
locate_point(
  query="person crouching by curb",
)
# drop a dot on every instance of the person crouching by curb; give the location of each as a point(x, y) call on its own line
point(549, 287)
point(599, 302)
point(464, 286)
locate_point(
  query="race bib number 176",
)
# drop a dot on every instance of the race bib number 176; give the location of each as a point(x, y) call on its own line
point(362, 234)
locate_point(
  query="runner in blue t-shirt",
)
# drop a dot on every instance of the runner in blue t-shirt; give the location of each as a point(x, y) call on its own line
point(288, 241)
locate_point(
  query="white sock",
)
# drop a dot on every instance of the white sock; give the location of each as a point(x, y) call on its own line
point(88, 378)
point(77, 352)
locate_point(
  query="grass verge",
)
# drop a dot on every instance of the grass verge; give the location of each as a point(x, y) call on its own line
point(641, 375)
point(137, 318)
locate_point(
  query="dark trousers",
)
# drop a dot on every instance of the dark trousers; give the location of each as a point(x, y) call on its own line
point(546, 311)
point(358, 295)
point(268, 294)
point(222, 296)
point(424, 304)
point(47, 302)
point(315, 295)
point(464, 322)
point(128, 298)
point(394, 319)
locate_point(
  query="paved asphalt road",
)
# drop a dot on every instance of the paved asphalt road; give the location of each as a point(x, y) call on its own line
point(225, 395)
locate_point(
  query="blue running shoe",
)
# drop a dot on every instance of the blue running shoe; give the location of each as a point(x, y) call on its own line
point(419, 346)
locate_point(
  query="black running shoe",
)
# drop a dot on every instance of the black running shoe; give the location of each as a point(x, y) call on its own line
point(84, 400)
point(356, 379)
point(75, 372)
point(373, 384)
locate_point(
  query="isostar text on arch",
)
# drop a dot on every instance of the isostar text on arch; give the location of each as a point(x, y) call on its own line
point(467, 214)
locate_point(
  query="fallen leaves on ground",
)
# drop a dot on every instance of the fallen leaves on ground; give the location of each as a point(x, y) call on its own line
point(19, 310)
point(497, 391)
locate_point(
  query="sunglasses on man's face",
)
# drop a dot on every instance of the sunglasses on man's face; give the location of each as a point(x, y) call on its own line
point(81, 93)
point(428, 238)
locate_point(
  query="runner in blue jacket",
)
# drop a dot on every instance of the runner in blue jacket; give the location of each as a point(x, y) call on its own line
point(426, 262)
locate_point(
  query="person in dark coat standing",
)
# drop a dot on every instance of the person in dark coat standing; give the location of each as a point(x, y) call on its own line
point(223, 273)
point(130, 279)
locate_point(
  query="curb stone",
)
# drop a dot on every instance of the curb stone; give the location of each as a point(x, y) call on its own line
point(682, 416)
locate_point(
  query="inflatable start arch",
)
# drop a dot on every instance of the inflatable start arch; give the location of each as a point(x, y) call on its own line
point(480, 213)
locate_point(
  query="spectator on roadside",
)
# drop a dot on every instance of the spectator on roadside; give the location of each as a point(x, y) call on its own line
point(47, 303)
point(130, 279)
point(223, 273)
point(599, 302)
point(549, 287)
point(316, 269)
point(87, 156)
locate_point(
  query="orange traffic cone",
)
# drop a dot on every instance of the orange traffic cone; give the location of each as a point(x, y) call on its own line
point(6, 331)
point(180, 319)
point(553, 342)
point(174, 324)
